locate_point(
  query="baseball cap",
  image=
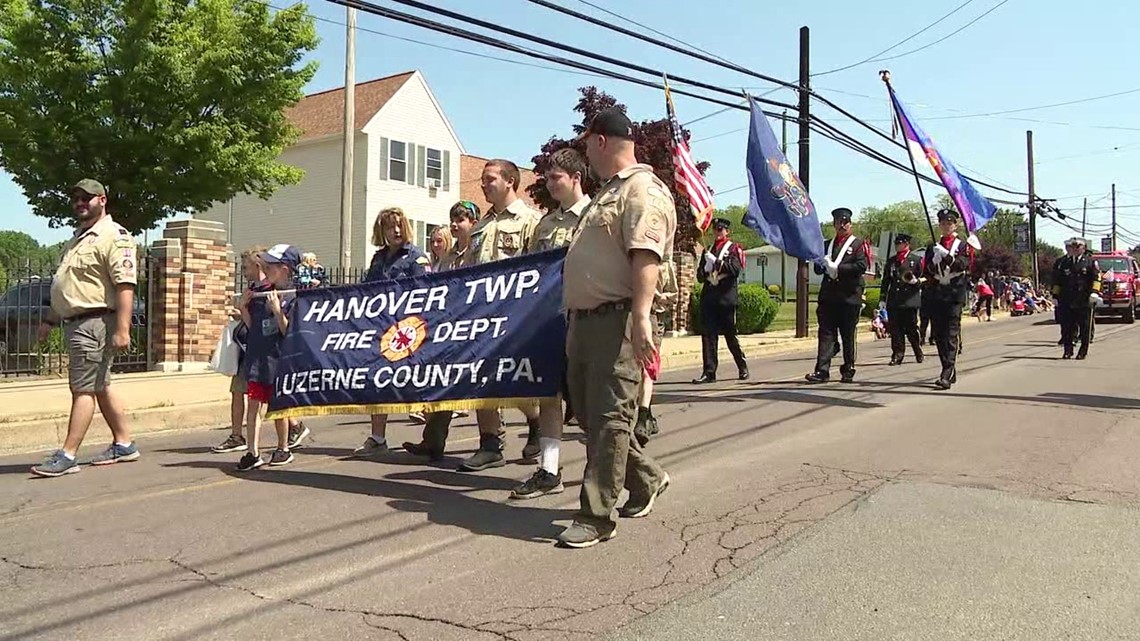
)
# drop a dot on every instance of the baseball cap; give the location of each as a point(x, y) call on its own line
point(282, 254)
point(611, 123)
point(90, 186)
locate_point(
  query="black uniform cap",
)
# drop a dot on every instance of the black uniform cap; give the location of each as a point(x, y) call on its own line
point(947, 214)
point(902, 238)
point(611, 123)
point(841, 215)
point(722, 223)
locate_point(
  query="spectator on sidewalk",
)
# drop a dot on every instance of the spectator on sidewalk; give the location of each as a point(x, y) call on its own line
point(92, 296)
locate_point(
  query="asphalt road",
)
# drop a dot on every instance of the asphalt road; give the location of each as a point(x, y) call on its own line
point(882, 509)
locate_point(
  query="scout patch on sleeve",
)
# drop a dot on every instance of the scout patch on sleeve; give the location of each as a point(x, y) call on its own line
point(654, 225)
point(124, 242)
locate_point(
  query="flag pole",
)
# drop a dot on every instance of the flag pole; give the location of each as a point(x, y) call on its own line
point(886, 76)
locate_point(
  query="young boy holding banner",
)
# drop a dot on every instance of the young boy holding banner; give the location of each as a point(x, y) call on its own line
point(267, 317)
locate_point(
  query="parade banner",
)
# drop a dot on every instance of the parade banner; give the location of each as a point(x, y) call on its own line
point(475, 338)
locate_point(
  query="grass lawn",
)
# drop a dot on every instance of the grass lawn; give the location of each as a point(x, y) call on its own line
point(786, 317)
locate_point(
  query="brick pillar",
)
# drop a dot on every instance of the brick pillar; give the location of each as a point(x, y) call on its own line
point(686, 264)
point(193, 285)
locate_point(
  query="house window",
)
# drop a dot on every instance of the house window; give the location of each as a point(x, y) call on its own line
point(435, 165)
point(397, 161)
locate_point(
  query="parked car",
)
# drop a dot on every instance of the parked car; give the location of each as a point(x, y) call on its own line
point(26, 304)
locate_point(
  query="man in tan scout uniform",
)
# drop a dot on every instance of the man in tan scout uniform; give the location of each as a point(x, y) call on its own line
point(566, 180)
point(91, 296)
point(504, 232)
point(610, 281)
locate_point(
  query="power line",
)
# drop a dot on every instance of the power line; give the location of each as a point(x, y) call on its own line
point(947, 36)
point(652, 30)
point(563, 46)
point(445, 47)
point(900, 42)
point(1038, 107)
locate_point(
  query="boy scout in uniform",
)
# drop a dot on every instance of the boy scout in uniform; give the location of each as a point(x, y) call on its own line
point(566, 181)
point(92, 296)
point(611, 277)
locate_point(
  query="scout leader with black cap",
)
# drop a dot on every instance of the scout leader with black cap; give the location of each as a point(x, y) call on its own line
point(719, 270)
point(92, 295)
point(1076, 286)
point(947, 267)
point(840, 298)
point(902, 293)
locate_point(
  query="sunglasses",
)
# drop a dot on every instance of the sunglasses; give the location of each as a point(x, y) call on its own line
point(470, 206)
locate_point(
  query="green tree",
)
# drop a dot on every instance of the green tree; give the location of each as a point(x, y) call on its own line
point(740, 233)
point(172, 104)
point(16, 248)
point(906, 216)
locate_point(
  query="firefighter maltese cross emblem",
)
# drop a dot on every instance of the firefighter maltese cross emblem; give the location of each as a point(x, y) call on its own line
point(403, 339)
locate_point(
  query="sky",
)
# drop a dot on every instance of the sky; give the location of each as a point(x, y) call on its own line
point(1022, 55)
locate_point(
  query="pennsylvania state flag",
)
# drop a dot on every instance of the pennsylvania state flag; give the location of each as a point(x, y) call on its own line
point(779, 208)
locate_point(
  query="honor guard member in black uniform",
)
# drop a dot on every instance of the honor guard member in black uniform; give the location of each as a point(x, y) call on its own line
point(947, 268)
point(902, 292)
point(1076, 286)
point(840, 298)
point(719, 269)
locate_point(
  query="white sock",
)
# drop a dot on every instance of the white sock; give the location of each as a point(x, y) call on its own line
point(550, 448)
point(70, 457)
point(127, 444)
point(378, 441)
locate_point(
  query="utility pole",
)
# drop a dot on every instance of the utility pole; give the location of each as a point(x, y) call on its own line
point(783, 256)
point(1084, 215)
point(803, 166)
point(1032, 207)
point(1113, 216)
point(349, 140)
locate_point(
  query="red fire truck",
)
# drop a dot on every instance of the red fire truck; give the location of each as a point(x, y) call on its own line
point(1119, 279)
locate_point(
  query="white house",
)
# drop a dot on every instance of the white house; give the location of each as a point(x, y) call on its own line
point(406, 155)
point(763, 265)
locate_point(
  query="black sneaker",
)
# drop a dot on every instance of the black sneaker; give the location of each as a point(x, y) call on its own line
point(816, 377)
point(422, 449)
point(297, 433)
point(847, 378)
point(482, 460)
point(281, 457)
point(540, 483)
point(249, 462)
point(235, 443)
point(641, 507)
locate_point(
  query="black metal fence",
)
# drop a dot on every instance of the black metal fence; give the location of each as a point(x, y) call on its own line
point(25, 302)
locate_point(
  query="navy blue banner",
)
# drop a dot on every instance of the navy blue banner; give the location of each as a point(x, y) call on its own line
point(475, 338)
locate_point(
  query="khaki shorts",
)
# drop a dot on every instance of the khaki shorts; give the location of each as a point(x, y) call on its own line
point(238, 384)
point(89, 347)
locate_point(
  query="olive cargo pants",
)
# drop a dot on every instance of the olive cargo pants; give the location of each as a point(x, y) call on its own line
point(604, 383)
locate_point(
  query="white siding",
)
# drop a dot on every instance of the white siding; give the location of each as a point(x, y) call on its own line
point(307, 214)
point(412, 116)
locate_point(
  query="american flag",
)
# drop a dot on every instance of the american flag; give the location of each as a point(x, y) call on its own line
point(690, 182)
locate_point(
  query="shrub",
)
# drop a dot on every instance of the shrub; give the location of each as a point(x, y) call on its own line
point(872, 305)
point(756, 312)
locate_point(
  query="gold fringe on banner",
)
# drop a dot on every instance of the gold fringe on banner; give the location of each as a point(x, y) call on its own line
point(467, 404)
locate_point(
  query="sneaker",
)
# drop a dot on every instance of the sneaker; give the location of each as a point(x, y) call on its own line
point(542, 482)
point(116, 453)
point(638, 508)
point(417, 418)
point(483, 460)
point(57, 465)
point(817, 377)
point(423, 449)
point(297, 433)
point(370, 448)
point(250, 462)
point(582, 535)
point(235, 443)
point(281, 457)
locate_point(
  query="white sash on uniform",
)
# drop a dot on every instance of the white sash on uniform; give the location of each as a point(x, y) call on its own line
point(715, 277)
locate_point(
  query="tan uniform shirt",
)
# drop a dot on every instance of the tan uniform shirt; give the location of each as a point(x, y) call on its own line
point(503, 234)
point(556, 228)
point(454, 259)
point(633, 210)
point(95, 262)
